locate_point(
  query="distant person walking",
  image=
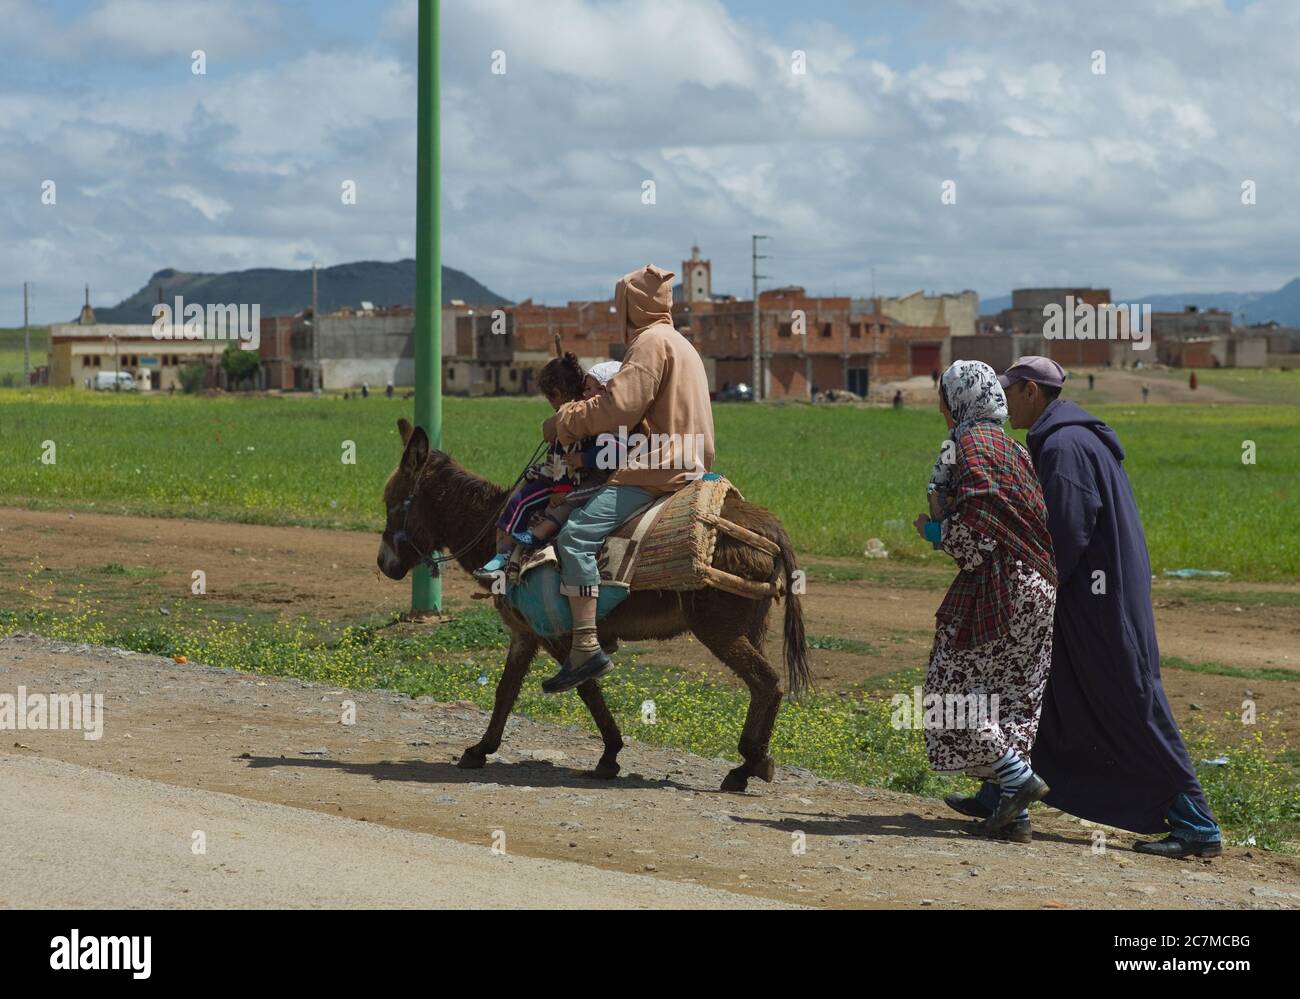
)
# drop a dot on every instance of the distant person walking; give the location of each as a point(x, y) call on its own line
point(1191, 381)
point(993, 639)
point(388, 390)
point(898, 398)
point(1091, 381)
point(1146, 391)
point(1108, 743)
point(934, 377)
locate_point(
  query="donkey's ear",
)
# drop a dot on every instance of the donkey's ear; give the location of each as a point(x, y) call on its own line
point(404, 428)
point(416, 453)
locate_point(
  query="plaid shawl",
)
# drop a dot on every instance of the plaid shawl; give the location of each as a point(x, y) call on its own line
point(996, 494)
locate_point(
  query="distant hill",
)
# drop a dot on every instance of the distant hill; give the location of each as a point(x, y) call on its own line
point(1282, 306)
point(283, 292)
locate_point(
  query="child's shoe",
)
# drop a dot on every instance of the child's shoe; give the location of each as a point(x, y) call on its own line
point(526, 538)
point(488, 571)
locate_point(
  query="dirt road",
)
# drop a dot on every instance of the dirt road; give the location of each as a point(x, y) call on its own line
point(257, 855)
point(331, 575)
point(201, 747)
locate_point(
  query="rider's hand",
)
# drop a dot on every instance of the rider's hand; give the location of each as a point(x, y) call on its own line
point(573, 461)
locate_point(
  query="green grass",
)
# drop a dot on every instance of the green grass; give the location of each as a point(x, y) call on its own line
point(1265, 385)
point(846, 735)
point(834, 643)
point(836, 475)
point(11, 353)
point(1242, 673)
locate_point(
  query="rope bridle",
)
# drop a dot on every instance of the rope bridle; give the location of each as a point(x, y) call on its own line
point(433, 561)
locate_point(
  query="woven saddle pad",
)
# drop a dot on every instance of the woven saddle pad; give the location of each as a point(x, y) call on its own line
point(670, 544)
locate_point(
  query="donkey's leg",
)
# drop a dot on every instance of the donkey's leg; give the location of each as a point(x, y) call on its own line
point(722, 635)
point(607, 768)
point(766, 767)
point(523, 646)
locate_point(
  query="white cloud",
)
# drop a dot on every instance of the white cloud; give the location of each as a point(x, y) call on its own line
point(1060, 172)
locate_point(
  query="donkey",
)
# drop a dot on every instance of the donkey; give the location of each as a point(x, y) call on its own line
point(433, 504)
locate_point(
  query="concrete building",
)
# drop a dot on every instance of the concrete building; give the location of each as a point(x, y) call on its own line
point(1191, 323)
point(1283, 343)
point(1028, 305)
point(958, 311)
point(1019, 330)
point(367, 345)
point(79, 352)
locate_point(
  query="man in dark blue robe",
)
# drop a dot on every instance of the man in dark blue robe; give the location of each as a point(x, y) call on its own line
point(1107, 741)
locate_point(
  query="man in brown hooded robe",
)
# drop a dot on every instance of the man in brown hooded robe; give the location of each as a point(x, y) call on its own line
point(661, 393)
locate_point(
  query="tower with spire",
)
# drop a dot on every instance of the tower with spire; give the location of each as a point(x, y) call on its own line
point(87, 313)
point(697, 278)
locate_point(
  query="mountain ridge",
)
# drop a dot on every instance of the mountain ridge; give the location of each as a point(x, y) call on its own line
point(280, 291)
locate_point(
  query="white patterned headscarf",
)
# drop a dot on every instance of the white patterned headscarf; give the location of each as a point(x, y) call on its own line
point(974, 396)
point(604, 371)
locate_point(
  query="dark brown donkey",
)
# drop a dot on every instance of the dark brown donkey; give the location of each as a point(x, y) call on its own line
point(434, 504)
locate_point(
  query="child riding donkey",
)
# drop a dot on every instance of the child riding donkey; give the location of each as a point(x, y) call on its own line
point(568, 477)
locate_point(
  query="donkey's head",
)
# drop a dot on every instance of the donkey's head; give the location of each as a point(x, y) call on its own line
point(406, 538)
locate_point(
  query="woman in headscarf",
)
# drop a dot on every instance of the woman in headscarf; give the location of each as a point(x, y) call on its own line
point(993, 640)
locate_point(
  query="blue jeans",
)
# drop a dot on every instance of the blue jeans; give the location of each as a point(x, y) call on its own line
point(579, 541)
point(1186, 821)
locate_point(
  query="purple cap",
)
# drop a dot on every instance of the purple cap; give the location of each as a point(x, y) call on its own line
point(1032, 368)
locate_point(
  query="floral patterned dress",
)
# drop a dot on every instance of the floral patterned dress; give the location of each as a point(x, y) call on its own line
point(1012, 668)
point(993, 641)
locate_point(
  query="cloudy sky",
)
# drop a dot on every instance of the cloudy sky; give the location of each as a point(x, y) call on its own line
point(1129, 179)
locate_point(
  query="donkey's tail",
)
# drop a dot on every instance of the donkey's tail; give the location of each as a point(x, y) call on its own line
point(795, 642)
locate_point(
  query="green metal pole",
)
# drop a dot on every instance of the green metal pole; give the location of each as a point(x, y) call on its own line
point(426, 591)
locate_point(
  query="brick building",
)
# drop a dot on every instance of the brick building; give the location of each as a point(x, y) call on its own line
point(808, 342)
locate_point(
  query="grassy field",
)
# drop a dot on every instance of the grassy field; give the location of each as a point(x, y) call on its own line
point(11, 353)
point(1266, 385)
point(836, 475)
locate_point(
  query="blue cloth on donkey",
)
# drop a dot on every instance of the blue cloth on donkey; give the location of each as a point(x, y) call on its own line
point(537, 597)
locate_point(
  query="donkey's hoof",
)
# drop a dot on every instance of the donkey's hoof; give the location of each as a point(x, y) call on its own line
point(766, 769)
point(736, 780)
point(472, 759)
point(606, 770)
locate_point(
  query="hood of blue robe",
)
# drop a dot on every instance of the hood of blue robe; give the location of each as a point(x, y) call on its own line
point(1063, 413)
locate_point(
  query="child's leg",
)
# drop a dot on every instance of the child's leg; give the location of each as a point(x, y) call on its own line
point(505, 546)
point(547, 527)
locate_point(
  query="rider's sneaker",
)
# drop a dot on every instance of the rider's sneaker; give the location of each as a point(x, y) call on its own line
point(570, 676)
point(526, 538)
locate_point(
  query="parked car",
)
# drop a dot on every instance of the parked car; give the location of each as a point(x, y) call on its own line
point(740, 392)
point(107, 381)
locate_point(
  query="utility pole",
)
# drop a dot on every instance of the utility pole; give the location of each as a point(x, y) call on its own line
point(27, 342)
point(315, 335)
point(758, 335)
point(426, 590)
